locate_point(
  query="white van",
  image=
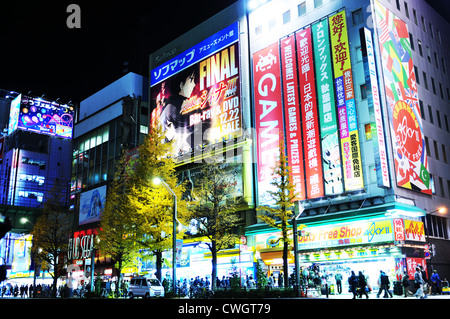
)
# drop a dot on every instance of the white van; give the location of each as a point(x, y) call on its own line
point(145, 288)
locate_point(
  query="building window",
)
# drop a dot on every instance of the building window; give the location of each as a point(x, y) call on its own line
point(422, 112)
point(363, 90)
point(436, 152)
point(419, 44)
point(406, 10)
point(301, 8)
point(444, 154)
point(398, 4)
point(438, 116)
point(433, 85)
point(318, 3)
point(430, 113)
point(415, 16)
point(423, 24)
point(416, 71)
point(411, 40)
point(287, 17)
point(427, 145)
point(258, 30)
point(425, 82)
point(357, 17)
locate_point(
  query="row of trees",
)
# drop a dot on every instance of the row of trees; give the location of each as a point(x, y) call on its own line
point(138, 215)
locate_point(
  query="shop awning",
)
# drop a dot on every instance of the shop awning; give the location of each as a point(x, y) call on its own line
point(275, 257)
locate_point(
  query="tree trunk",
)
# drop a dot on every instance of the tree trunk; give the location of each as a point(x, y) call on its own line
point(214, 265)
point(158, 265)
point(285, 264)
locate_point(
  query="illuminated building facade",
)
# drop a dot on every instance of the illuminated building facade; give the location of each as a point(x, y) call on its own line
point(359, 90)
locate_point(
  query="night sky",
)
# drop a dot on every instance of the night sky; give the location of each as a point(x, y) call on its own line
point(39, 53)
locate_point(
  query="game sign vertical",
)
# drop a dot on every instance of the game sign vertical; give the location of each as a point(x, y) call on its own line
point(268, 116)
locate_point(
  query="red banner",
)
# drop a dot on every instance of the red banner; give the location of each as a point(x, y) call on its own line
point(313, 159)
point(292, 115)
point(268, 113)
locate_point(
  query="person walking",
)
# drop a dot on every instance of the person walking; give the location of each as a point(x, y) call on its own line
point(353, 284)
point(338, 278)
point(405, 283)
point(418, 283)
point(383, 281)
point(436, 283)
point(362, 284)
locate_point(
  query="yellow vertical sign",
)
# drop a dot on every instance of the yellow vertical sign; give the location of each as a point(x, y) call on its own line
point(346, 106)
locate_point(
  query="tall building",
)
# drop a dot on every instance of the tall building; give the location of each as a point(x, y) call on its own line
point(112, 119)
point(359, 90)
point(34, 166)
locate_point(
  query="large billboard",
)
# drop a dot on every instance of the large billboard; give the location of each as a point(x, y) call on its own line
point(196, 95)
point(346, 106)
point(405, 122)
point(92, 204)
point(331, 155)
point(43, 117)
point(14, 114)
point(268, 116)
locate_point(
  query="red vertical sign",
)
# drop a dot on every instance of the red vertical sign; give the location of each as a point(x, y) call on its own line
point(268, 113)
point(313, 159)
point(292, 115)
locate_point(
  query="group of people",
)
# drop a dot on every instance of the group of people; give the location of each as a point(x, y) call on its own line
point(25, 291)
point(358, 284)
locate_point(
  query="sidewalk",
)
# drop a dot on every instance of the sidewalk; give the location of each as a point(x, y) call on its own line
point(373, 295)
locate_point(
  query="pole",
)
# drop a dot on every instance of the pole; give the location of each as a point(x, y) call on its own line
point(298, 211)
point(174, 248)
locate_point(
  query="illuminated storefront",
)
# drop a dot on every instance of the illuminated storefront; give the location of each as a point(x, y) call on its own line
point(392, 241)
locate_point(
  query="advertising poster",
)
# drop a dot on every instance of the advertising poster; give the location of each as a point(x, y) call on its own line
point(414, 230)
point(22, 257)
point(92, 204)
point(197, 95)
point(14, 114)
point(405, 122)
point(331, 155)
point(268, 116)
point(374, 103)
point(45, 117)
point(348, 125)
point(313, 158)
point(293, 133)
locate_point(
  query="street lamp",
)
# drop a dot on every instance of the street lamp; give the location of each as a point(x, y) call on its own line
point(158, 181)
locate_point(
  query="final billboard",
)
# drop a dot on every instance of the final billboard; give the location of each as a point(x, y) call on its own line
point(405, 121)
point(196, 95)
point(41, 116)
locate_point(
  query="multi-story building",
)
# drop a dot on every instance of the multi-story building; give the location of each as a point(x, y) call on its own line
point(34, 166)
point(359, 90)
point(112, 119)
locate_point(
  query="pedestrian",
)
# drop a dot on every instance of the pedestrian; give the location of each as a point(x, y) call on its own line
point(338, 278)
point(362, 283)
point(418, 284)
point(353, 284)
point(271, 281)
point(436, 283)
point(405, 282)
point(383, 282)
point(425, 286)
point(280, 280)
